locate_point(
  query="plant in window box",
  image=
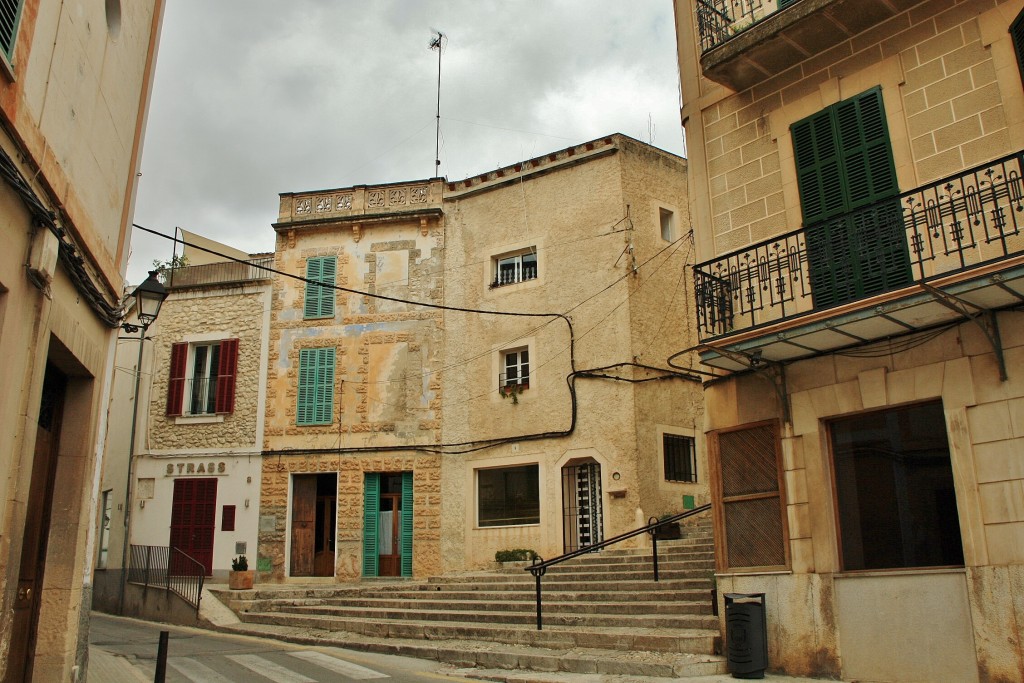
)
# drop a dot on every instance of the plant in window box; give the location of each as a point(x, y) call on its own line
point(513, 389)
point(240, 577)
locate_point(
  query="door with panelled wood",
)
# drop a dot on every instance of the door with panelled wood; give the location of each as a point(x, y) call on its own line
point(853, 221)
point(303, 524)
point(194, 519)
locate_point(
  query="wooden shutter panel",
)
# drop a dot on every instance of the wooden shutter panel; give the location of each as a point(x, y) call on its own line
point(866, 154)
point(307, 387)
point(819, 176)
point(748, 498)
point(227, 369)
point(176, 382)
point(323, 410)
point(1017, 36)
point(319, 301)
point(371, 508)
point(405, 541)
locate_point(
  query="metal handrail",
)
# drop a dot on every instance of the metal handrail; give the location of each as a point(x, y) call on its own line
point(539, 568)
point(168, 568)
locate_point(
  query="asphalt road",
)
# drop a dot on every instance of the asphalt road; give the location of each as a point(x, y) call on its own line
point(126, 650)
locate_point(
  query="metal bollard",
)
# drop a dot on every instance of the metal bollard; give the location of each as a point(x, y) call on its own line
point(161, 658)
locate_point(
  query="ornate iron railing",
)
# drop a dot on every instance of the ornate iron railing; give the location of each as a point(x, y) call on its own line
point(720, 20)
point(168, 568)
point(961, 222)
point(540, 565)
point(221, 273)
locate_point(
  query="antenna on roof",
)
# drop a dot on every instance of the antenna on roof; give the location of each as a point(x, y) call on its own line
point(435, 44)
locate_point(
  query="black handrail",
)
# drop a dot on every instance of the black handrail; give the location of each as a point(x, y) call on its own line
point(539, 568)
point(168, 568)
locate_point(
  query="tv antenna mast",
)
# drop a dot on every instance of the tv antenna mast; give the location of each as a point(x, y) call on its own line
point(435, 44)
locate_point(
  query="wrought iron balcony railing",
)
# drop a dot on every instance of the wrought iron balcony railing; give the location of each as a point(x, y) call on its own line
point(220, 273)
point(954, 225)
point(720, 20)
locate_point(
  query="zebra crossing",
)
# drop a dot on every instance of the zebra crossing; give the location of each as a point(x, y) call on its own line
point(296, 666)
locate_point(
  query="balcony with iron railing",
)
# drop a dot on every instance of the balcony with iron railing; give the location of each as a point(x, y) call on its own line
point(947, 250)
point(221, 273)
point(743, 42)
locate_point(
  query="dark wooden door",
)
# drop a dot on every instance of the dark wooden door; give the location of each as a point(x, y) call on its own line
point(37, 529)
point(323, 563)
point(390, 559)
point(303, 524)
point(194, 519)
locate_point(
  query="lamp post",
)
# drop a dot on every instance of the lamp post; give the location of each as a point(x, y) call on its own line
point(149, 297)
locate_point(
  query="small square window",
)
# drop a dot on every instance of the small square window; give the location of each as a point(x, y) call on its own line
point(680, 458)
point(513, 268)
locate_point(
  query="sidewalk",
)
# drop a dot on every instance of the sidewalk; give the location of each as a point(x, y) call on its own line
point(105, 667)
point(504, 676)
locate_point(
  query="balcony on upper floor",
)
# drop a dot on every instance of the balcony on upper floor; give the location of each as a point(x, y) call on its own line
point(744, 42)
point(947, 251)
point(221, 273)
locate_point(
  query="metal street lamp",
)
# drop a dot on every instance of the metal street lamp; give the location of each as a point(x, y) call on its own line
point(149, 297)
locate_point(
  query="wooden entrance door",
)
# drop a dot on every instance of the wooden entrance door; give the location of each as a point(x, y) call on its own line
point(388, 535)
point(193, 519)
point(323, 557)
point(303, 524)
point(37, 529)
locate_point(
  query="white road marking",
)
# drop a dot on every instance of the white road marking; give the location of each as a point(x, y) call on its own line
point(265, 667)
point(197, 672)
point(338, 666)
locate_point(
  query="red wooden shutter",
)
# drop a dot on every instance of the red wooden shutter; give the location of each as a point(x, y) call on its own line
point(226, 371)
point(176, 383)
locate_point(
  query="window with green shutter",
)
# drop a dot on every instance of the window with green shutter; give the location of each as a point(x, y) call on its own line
point(406, 536)
point(371, 508)
point(10, 17)
point(856, 242)
point(316, 387)
point(1017, 36)
point(319, 301)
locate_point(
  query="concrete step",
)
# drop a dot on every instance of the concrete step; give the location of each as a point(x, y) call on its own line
point(636, 662)
point(525, 615)
point(558, 636)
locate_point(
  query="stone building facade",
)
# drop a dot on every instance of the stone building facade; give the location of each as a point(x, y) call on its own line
point(855, 185)
point(508, 386)
point(74, 94)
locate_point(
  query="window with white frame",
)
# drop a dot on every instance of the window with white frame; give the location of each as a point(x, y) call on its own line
point(508, 496)
point(202, 378)
point(515, 365)
point(518, 267)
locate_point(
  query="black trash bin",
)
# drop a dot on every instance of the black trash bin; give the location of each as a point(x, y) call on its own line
point(746, 635)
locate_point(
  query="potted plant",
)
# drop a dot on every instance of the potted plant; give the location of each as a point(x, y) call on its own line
point(240, 577)
point(513, 389)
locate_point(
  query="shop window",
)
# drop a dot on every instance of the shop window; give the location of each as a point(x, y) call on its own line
point(202, 378)
point(894, 490)
point(680, 458)
point(508, 496)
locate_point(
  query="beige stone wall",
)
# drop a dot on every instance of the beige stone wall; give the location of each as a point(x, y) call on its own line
point(384, 394)
point(581, 212)
point(222, 313)
point(276, 485)
point(986, 431)
point(952, 94)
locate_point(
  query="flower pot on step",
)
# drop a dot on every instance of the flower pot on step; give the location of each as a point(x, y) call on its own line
point(241, 580)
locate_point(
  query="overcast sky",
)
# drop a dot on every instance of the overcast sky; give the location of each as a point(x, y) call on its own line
point(256, 97)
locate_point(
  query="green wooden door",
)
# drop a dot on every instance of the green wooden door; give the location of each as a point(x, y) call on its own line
point(856, 243)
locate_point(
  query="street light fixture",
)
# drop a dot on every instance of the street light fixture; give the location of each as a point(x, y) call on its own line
point(149, 297)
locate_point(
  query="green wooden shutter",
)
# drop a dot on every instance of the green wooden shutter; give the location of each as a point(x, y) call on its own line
point(856, 243)
point(315, 403)
point(1017, 36)
point(319, 301)
point(371, 514)
point(405, 542)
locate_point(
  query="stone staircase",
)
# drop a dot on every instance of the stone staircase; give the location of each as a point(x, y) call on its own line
point(602, 614)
